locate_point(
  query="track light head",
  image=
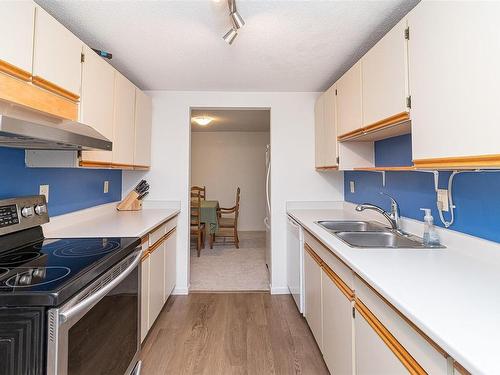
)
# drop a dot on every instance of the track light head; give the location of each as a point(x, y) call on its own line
point(237, 20)
point(230, 36)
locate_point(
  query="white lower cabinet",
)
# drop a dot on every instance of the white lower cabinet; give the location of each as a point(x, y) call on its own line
point(144, 297)
point(372, 354)
point(312, 295)
point(337, 328)
point(158, 274)
point(357, 330)
point(170, 263)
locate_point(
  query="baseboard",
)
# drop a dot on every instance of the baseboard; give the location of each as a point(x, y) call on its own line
point(280, 290)
point(180, 291)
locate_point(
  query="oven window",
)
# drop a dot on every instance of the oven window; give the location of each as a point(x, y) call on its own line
point(105, 339)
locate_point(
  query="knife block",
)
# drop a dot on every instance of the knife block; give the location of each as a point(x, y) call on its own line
point(130, 202)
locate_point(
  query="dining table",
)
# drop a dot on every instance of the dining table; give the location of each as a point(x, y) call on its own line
point(208, 215)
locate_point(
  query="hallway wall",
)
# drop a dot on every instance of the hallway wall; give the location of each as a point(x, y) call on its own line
point(222, 161)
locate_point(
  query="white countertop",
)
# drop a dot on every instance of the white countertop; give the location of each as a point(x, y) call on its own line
point(450, 294)
point(106, 221)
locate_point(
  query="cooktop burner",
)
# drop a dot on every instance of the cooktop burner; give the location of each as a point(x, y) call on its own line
point(28, 277)
point(86, 247)
point(3, 271)
point(18, 258)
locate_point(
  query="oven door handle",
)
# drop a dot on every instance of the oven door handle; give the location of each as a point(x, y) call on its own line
point(90, 300)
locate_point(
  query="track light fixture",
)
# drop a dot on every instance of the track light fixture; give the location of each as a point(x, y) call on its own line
point(236, 20)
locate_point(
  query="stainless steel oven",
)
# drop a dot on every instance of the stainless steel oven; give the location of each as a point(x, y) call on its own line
point(97, 331)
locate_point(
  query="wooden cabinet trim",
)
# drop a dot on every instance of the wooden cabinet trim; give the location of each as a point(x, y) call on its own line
point(13, 70)
point(392, 343)
point(320, 242)
point(487, 161)
point(344, 288)
point(460, 368)
point(328, 168)
point(379, 125)
point(47, 85)
point(27, 95)
point(313, 255)
point(144, 239)
point(109, 165)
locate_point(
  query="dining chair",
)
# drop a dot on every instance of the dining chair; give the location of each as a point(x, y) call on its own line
point(197, 227)
point(201, 189)
point(228, 222)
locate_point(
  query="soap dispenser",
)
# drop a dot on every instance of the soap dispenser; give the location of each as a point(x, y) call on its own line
point(431, 237)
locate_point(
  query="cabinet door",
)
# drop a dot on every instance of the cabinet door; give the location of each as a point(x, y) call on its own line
point(145, 265)
point(319, 130)
point(385, 78)
point(17, 22)
point(57, 56)
point(349, 99)
point(156, 282)
point(337, 328)
point(330, 129)
point(373, 357)
point(170, 264)
point(454, 79)
point(123, 123)
point(143, 113)
point(96, 107)
point(312, 295)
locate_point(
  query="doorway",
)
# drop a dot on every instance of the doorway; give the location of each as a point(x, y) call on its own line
point(230, 205)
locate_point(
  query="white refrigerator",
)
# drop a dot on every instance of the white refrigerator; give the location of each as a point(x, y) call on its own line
point(267, 219)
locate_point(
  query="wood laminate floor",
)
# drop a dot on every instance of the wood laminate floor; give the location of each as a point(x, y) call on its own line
point(231, 333)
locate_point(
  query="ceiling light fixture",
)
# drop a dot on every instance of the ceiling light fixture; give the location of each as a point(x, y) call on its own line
point(236, 20)
point(203, 120)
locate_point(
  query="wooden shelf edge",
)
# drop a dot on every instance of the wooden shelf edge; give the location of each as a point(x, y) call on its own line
point(459, 162)
point(108, 165)
point(52, 87)
point(397, 119)
point(13, 70)
point(327, 168)
point(387, 169)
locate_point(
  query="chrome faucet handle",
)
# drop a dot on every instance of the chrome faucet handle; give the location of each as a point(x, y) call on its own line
point(395, 213)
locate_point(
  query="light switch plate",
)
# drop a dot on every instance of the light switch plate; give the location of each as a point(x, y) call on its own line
point(442, 198)
point(44, 190)
point(106, 187)
point(351, 186)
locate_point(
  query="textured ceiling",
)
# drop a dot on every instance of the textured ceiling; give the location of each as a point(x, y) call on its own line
point(284, 46)
point(233, 120)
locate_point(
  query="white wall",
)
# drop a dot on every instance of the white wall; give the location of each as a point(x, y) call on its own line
point(292, 162)
point(222, 161)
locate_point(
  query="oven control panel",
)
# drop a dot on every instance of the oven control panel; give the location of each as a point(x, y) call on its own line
point(22, 213)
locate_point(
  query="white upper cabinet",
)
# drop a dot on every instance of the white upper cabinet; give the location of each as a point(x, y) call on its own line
point(325, 117)
point(57, 56)
point(385, 77)
point(454, 79)
point(143, 113)
point(97, 100)
point(17, 21)
point(349, 101)
point(124, 121)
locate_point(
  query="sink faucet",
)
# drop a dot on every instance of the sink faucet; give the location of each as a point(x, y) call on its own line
point(393, 217)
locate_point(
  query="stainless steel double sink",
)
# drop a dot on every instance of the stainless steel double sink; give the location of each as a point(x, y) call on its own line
point(370, 234)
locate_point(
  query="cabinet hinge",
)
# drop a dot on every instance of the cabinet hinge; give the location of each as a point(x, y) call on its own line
point(408, 101)
point(338, 160)
point(82, 57)
point(353, 312)
point(407, 33)
point(335, 91)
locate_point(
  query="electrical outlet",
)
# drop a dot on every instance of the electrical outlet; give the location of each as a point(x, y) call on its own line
point(351, 186)
point(44, 190)
point(442, 198)
point(106, 187)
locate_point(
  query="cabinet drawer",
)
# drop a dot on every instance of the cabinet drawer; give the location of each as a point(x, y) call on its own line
point(426, 353)
point(157, 234)
point(344, 272)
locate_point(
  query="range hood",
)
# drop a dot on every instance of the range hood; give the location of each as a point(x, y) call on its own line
point(33, 131)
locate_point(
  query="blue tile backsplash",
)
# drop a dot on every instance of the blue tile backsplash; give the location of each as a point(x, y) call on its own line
point(476, 195)
point(71, 189)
